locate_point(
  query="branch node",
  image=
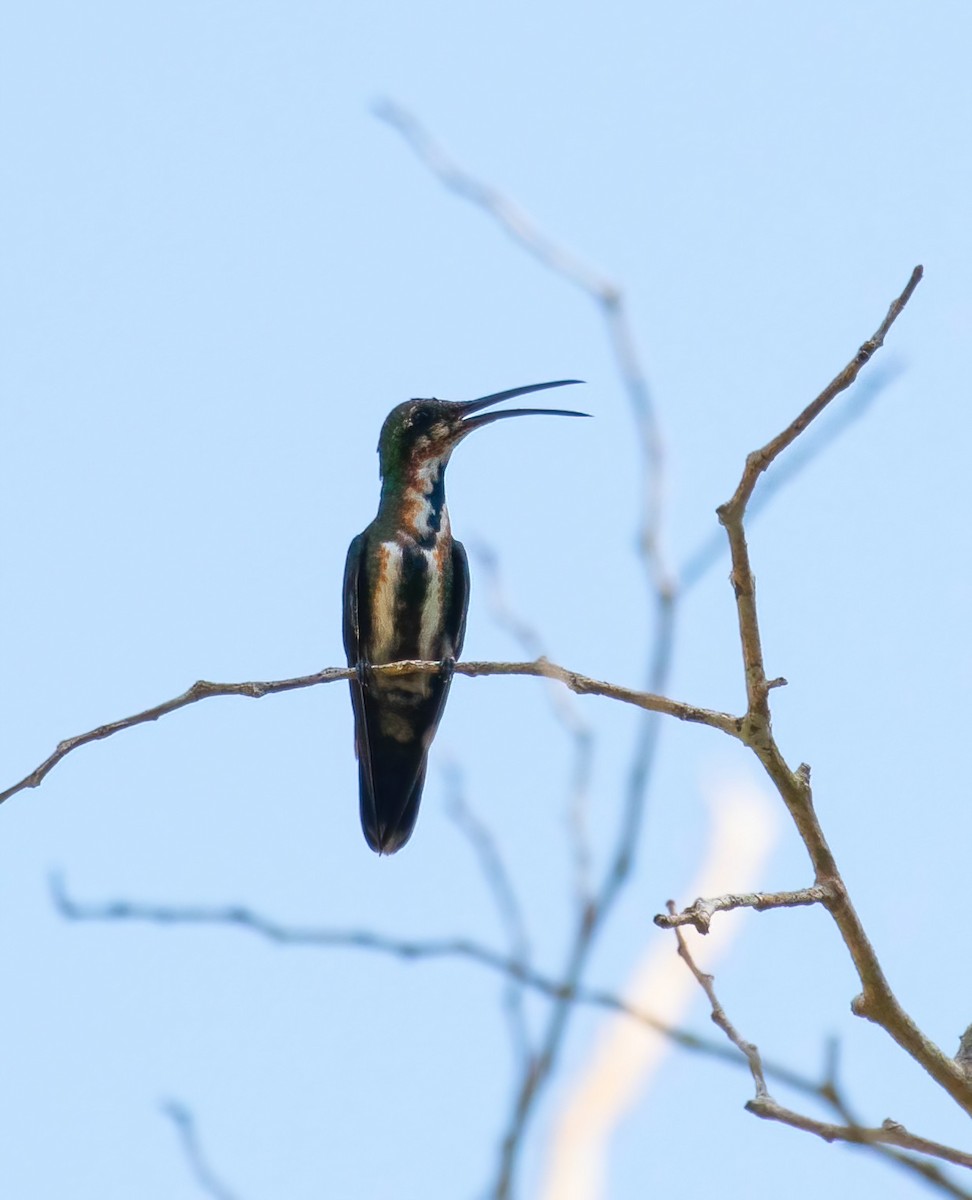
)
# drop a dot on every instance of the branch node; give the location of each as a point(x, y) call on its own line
point(861, 1007)
point(964, 1056)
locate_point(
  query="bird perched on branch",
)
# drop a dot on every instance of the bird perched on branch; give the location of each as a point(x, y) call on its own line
point(406, 591)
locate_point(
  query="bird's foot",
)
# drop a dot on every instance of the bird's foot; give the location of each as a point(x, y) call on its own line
point(364, 672)
point(447, 668)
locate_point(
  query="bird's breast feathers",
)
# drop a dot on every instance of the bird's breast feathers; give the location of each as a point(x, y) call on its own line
point(408, 610)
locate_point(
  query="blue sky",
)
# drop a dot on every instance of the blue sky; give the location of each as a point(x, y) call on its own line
point(221, 271)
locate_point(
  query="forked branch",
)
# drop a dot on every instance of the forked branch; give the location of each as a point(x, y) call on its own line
point(889, 1133)
point(877, 1001)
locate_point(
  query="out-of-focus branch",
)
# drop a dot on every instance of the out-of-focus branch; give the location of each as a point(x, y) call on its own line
point(700, 913)
point(507, 905)
point(408, 949)
point(245, 919)
point(610, 301)
point(565, 707)
point(511, 219)
point(606, 294)
point(185, 1126)
point(203, 690)
point(763, 1105)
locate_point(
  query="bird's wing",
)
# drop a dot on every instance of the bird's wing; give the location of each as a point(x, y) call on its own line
point(352, 643)
point(459, 599)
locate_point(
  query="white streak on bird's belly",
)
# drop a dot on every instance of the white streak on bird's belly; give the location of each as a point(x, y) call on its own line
point(430, 630)
point(385, 602)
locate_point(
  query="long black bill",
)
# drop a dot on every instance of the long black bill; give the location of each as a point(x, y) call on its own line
point(485, 401)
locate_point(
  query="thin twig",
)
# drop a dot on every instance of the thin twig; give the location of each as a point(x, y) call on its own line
point(185, 1126)
point(830, 1091)
point(700, 913)
point(204, 690)
point(712, 548)
point(759, 460)
point(707, 983)
point(507, 904)
point(890, 1133)
point(763, 1104)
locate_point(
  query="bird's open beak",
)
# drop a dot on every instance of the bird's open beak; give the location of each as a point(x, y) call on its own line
point(469, 422)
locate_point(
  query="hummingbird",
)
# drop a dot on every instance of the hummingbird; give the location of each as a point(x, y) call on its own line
point(406, 592)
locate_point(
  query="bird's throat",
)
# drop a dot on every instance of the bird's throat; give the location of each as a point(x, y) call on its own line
point(415, 505)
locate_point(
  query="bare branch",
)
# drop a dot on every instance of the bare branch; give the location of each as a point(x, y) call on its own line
point(185, 1125)
point(611, 304)
point(707, 982)
point(203, 690)
point(712, 546)
point(608, 296)
point(964, 1055)
point(508, 906)
point(566, 709)
point(890, 1133)
point(510, 218)
point(732, 513)
point(763, 1104)
point(759, 460)
point(700, 913)
point(415, 950)
point(830, 1092)
point(877, 1001)
point(410, 950)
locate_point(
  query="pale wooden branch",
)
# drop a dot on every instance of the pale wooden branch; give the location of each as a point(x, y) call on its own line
point(700, 913)
point(204, 690)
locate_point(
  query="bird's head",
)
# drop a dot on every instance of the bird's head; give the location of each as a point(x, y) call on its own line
point(422, 430)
